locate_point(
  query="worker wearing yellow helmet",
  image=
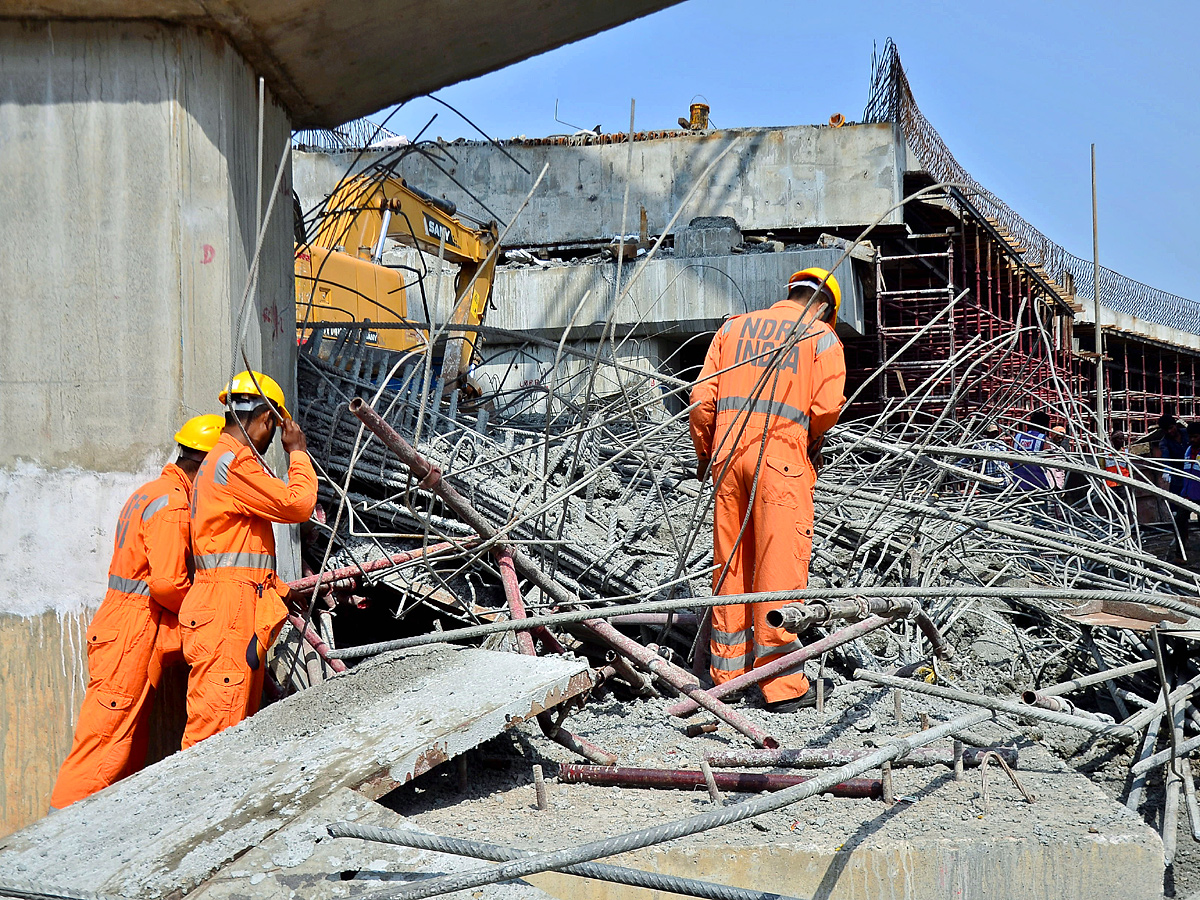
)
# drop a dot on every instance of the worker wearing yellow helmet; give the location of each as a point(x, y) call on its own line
point(235, 608)
point(770, 388)
point(129, 640)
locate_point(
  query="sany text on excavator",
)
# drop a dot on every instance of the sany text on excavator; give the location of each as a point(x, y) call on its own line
point(340, 276)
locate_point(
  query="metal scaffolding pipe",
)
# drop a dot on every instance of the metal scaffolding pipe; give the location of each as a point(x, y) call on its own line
point(348, 577)
point(689, 779)
point(1076, 684)
point(314, 640)
point(681, 680)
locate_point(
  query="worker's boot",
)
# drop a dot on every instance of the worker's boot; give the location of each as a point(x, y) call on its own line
point(808, 700)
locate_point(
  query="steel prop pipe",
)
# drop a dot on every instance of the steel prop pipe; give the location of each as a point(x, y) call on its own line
point(682, 681)
point(689, 779)
point(348, 577)
point(785, 663)
point(314, 640)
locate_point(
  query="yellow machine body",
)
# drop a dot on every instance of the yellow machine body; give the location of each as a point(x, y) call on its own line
point(340, 277)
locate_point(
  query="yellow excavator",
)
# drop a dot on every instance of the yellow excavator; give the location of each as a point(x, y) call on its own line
point(340, 276)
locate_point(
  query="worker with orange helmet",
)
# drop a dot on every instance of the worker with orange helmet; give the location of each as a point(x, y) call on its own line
point(130, 634)
point(235, 608)
point(770, 388)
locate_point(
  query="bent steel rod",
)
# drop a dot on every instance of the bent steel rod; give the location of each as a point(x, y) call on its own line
point(655, 881)
point(646, 837)
point(958, 592)
point(823, 757)
point(1011, 707)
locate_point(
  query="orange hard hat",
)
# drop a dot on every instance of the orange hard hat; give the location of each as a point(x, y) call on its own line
point(818, 279)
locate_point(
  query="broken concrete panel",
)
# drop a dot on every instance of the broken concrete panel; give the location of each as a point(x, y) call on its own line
point(171, 825)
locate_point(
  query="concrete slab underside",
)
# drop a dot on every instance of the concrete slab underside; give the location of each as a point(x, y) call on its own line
point(330, 62)
point(170, 826)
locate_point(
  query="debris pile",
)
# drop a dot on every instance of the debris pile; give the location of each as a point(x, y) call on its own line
point(948, 571)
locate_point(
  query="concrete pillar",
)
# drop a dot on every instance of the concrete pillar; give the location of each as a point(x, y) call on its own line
point(128, 166)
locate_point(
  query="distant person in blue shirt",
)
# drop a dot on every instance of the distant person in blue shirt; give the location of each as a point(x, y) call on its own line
point(1030, 477)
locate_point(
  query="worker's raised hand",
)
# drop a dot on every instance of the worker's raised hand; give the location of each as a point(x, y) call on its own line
point(292, 437)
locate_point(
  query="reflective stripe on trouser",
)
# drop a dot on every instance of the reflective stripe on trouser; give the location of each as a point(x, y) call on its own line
point(773, 555)
point(216, 622)
point(112, 733)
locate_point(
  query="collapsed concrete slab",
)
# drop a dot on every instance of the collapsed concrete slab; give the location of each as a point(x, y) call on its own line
point(172, 825)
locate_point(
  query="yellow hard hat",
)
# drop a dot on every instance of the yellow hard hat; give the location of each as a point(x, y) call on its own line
point(200, 432)
point(814, 277)
point(256, 384)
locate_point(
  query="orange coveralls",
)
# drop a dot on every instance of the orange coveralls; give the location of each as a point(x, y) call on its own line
point(234, 610)
point(129, 637)
point(746, 407)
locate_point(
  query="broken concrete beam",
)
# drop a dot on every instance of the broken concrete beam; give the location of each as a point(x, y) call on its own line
point(378, 726)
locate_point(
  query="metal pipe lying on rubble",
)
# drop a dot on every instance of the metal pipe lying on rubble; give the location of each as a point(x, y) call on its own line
point(706, 821)
point(741, 782)
point(655, 881)
point(785, 663)
point(1076, 684)
point(823, 757)
point(1123, 732)
point(799, 617)
point(430, 478)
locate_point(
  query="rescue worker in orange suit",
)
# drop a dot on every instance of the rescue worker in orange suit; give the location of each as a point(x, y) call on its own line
point(235, 607)
point(770, 388)
point(132, 631)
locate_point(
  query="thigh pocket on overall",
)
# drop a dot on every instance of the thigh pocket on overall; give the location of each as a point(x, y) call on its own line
point(784, 482)
point(226, 686)
point(196, 631)
point(104, 651)
point(107, 710)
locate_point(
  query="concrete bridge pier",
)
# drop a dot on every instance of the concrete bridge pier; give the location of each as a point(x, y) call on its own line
point(128, 172)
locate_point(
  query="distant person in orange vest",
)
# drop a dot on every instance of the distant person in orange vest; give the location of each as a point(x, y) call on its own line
point(770, 388)
point(149, 575)
point(235, 607)
point(1116, 462)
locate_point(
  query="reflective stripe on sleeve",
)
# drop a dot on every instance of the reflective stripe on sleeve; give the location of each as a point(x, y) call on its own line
point(128, 585)
point(767, 407)
point(824, 342)
point(235, 561)
point(221, 475)
point(155, 506)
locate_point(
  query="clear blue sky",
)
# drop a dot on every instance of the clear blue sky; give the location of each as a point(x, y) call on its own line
point(1018, 91)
